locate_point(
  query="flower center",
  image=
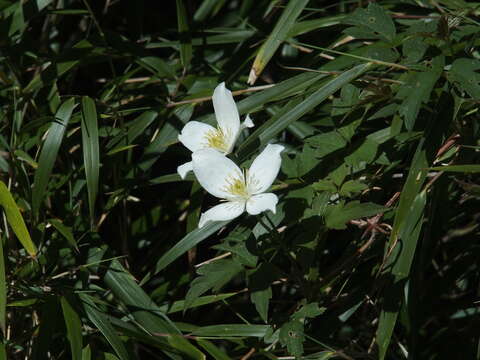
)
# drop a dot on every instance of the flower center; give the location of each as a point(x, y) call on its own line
point(217, 139)
point(237, 187)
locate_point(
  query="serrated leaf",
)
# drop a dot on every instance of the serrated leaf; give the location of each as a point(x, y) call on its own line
point(371, 23)
point(261, 299)
point(338, 215)
point(292, 336)
point(464, 74)
point(352, 186)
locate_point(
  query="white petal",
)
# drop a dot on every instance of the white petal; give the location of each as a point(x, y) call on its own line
point(226, 112)
point(264, 169)
point(193, 135)
point(215, 172)
point(184, 169)
point(248, 123)
point(226, 211)
point(261, 202)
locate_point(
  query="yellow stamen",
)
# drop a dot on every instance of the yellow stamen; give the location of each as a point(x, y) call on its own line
point(217, 139)
point(237, 187)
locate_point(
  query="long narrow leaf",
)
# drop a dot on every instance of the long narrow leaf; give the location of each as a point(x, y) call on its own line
point(188, 242)
point(91, 152)
point(276, 37)
point(3, 290)
point(74, 329)
point(49, 152)
point(274, 126)
point(15, 220)
point(101, 323)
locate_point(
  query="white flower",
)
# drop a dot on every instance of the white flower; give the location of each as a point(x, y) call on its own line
point(196, 135)
point(241, 190)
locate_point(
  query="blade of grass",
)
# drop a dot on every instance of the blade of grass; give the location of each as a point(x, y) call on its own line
point(74, 329)
point(232, 330)
point(49, 153)
point(274, 126)
point(188, 242)
point(276, 37)
point(101, 323)
point(15, 220)
point(3, 291)
point(91, 152)
point(185, 40)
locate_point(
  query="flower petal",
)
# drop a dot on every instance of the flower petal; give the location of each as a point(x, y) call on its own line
point(194, 135)
point(226, 211)
point(247, 123)
point(184, 169)
point(226, 113)
point(264, 169)
point(262, 202)
point(215, 172)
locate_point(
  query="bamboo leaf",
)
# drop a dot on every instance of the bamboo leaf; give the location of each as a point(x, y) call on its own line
point(101, 323)
point(276, 37)
point(188, 242)
point(183, 31)
point(49, 152)
point(91, 152)
point(74, 329)
point(3, 291)
point(15, 220)
point(275, 125)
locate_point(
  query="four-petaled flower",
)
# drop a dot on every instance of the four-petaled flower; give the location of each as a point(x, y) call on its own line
point(196, 135)
point(241, 190)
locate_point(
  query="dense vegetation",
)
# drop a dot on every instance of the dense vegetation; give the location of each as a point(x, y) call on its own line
point(373, 250)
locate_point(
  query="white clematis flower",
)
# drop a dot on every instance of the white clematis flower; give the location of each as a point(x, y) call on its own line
point(242, 190)
point(196, 135)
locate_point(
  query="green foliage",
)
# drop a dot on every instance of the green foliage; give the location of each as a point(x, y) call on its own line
point(373, 249)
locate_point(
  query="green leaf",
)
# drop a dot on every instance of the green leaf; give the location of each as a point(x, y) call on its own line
point(49, 152)
point(292, 336)
point(65, 231)
point(189, 241)
point(212, 276)
point(86, 353)
point(232, 330)
point(91, 152)
point(15, 220)
point(464, 74)
point(135, 128)
point(472, 168)
point(74, 329)
point(261, 299)
point(352, 186)
point(100, 321)
point(274, 126)
point(416, 90)
point(401, 257)
point(187, 349)
point(277, 36)
point(371, 23)
point(3, 290)
point(213, 350)
point(203, 300)
point(338, 215)
point(185, 40)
